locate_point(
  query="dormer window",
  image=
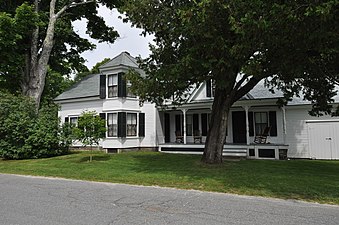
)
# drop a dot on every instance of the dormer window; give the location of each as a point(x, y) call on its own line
point(112, 85)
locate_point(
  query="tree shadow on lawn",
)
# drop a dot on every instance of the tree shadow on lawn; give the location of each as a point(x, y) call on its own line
point(98, 158)
point(302, 179)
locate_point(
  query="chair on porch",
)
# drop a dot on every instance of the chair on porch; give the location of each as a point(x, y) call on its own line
point(197, 138)
point(178, 137)
point(262, 138)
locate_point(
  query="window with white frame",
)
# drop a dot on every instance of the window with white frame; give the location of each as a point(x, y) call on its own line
point(189, 125)
point(73, 120)
point(261, 122)
point(112, 123)
point(131, 124)
point(112, 85)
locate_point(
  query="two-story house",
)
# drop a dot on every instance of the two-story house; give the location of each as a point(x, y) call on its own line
point(183, 129)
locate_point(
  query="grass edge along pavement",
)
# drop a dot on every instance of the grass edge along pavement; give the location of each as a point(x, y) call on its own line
point(308, 180)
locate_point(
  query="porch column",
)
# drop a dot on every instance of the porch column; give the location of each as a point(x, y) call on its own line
point(184, 115)
point(284, 123)
point(247, 125)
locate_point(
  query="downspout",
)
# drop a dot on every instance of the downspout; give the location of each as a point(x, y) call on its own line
point(284, 124)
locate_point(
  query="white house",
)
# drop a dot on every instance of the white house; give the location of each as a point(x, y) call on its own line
point(183, 129)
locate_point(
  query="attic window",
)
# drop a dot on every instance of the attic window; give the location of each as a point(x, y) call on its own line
point(210, 88)
point(112, 85)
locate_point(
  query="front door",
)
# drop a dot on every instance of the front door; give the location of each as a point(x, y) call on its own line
point(239, 126)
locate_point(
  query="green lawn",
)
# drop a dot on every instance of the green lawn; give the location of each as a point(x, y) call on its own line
point(295, 179)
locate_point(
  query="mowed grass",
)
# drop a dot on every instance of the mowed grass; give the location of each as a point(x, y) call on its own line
point(316, 181)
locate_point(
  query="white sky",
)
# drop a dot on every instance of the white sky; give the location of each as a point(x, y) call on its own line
point(129, 40)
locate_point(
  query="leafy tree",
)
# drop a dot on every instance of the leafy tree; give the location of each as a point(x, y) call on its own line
point(35, 34)
point(24, 133)
point(291, 45)
point(94, 70)
point(56, 83)
point(90, 129)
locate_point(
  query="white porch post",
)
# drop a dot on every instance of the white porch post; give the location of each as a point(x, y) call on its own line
point(284, 123)
point(185, 135)
point(247, 125)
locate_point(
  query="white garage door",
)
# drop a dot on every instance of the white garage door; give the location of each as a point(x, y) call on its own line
point(324, 139)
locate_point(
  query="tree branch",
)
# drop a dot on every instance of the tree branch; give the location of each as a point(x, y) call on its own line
point(71, 5)
point(246, 88)
point(239, 83)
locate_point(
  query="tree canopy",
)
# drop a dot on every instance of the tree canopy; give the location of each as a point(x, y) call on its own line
point(38, 35)
point(291, 45)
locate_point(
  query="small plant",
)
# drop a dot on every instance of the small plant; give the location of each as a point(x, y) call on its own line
point(90, 129)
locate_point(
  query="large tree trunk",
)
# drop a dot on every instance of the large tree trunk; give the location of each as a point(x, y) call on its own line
point(227, 92)
point(37, 60)
point(217, 130)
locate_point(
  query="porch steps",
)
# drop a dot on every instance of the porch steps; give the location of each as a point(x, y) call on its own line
point(235, 152)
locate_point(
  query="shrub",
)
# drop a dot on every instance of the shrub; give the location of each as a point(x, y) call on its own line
point(24, 133)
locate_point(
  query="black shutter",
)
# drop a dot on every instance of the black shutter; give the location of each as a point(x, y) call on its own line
point(121, 85)
point(121, 124)
point(208, 88)
point(102, 86)
point(141, 124)
point(178, 123)
point(195, 122)
point(204, 127)
point(251, 126)
point(273, 123)
point(102, 116)
point(66, 119)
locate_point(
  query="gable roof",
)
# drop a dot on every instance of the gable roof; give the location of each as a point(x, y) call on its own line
point(123, 59)
point(87, 87)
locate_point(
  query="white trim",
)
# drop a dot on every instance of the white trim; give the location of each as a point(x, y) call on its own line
point(85, 99)
point(322, 121)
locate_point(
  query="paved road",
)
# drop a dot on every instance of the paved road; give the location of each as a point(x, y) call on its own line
point(35, 201)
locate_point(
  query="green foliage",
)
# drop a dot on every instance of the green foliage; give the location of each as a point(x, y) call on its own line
point(95, 68)
point(27, 134)
point(90, 128)
point(56, 83)
point(291, 45)
point(17, 118)
point(79, 76)
point(17, 20)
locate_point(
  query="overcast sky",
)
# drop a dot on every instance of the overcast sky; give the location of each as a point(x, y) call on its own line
point(129, 40)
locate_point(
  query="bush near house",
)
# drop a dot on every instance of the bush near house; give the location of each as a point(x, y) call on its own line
point(26, 133)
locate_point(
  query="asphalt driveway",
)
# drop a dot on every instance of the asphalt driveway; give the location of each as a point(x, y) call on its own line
point(45, 201)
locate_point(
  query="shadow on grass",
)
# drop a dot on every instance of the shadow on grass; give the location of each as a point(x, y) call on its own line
point(299, 179)
point(97, 158)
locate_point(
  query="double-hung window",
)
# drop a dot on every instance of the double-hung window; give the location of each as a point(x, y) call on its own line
point(112, 85)
point(189, 125)
point(73, 120)
point(112, 123)
point(261, 122)
point(131, 124)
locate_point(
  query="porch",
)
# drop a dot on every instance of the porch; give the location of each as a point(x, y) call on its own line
point(252, 151)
